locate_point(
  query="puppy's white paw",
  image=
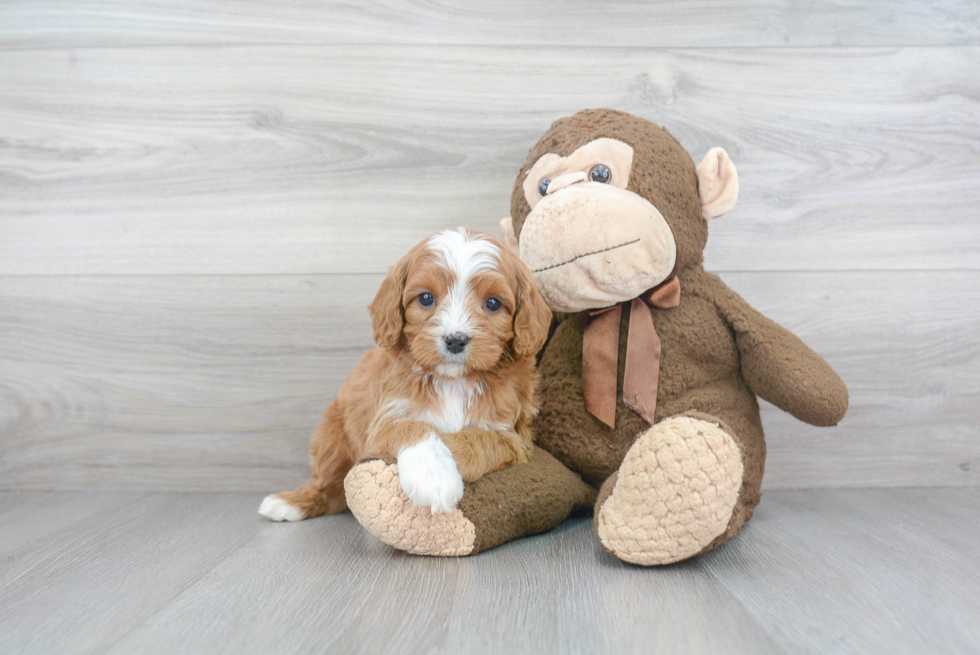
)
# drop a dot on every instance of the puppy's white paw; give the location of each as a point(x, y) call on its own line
point(428, 475)
point(278, 509)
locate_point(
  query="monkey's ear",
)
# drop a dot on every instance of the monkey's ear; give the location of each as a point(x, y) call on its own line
point(507, 227)
point(387, 315)
point(717, 183)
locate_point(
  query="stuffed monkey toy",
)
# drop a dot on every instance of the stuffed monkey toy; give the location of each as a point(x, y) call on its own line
point(649, 380)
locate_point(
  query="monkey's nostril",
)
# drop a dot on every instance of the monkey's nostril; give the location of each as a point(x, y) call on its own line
point(456, 342)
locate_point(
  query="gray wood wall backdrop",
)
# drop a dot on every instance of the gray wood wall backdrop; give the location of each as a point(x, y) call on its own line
point(198, 200)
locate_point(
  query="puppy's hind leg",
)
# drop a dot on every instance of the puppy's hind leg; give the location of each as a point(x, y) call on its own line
point(330, 458)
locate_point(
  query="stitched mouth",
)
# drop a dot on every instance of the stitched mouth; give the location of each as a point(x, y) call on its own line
point(587, 254)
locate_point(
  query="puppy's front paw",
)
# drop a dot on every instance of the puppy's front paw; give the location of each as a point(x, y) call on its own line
point(428, 475)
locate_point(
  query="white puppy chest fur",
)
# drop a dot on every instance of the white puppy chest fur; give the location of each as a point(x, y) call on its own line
point(427, 471)
point(454, 396)
point(450, 412)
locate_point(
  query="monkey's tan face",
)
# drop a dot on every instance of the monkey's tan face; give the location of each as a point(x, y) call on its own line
point(590, 242)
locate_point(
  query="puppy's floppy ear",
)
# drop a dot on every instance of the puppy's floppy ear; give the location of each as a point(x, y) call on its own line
point(532, 318)
point(387, 313)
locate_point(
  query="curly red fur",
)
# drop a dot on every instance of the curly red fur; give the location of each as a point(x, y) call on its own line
point(400, 392)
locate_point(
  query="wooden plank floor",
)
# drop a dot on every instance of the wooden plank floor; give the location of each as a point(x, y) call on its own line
point(817, 571)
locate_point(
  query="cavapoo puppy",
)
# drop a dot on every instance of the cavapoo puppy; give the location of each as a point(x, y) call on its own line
point(450, 389)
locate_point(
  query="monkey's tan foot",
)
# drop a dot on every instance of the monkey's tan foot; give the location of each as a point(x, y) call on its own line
point(674, 493)
point(513, 502)
point(379, 504)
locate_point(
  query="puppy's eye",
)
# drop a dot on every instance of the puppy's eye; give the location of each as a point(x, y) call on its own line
point(492, 304)
point(600, 173)
point(543, 186)
point(427, 299)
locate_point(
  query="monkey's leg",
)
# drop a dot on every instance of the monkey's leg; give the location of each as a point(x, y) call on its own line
point(513, 502)
point(680, 491)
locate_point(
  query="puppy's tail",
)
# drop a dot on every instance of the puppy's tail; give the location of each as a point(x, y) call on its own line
point(330, 459)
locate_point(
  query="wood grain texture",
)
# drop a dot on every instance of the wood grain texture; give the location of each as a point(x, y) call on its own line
point(906, 345)
point(216, 382)
point(834, 559)
point(673, 23)
point(201, 380)
point(28, 518)
point(363, 597)
point(337, 159)
point(604, 607)
point(198, 198)
point(817, 571)
point(89, 585)
point(94, 582)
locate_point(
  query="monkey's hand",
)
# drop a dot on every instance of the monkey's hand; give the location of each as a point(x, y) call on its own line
point(782, 369)
point(779, 367)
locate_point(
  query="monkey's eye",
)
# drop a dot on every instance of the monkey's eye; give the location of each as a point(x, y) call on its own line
point(492, 304)
point(427, 299)
point(543, 186)
point(600, 173)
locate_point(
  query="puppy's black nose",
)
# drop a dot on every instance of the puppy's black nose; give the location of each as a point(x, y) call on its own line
point(456, 342)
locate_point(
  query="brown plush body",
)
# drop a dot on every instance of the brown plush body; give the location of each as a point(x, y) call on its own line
point(700, 372)
point(687, 482)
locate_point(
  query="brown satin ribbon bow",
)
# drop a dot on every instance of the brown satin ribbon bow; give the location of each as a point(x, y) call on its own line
point(600, 355)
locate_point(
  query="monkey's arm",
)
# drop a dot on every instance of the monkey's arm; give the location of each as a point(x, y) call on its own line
point(779, 367)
